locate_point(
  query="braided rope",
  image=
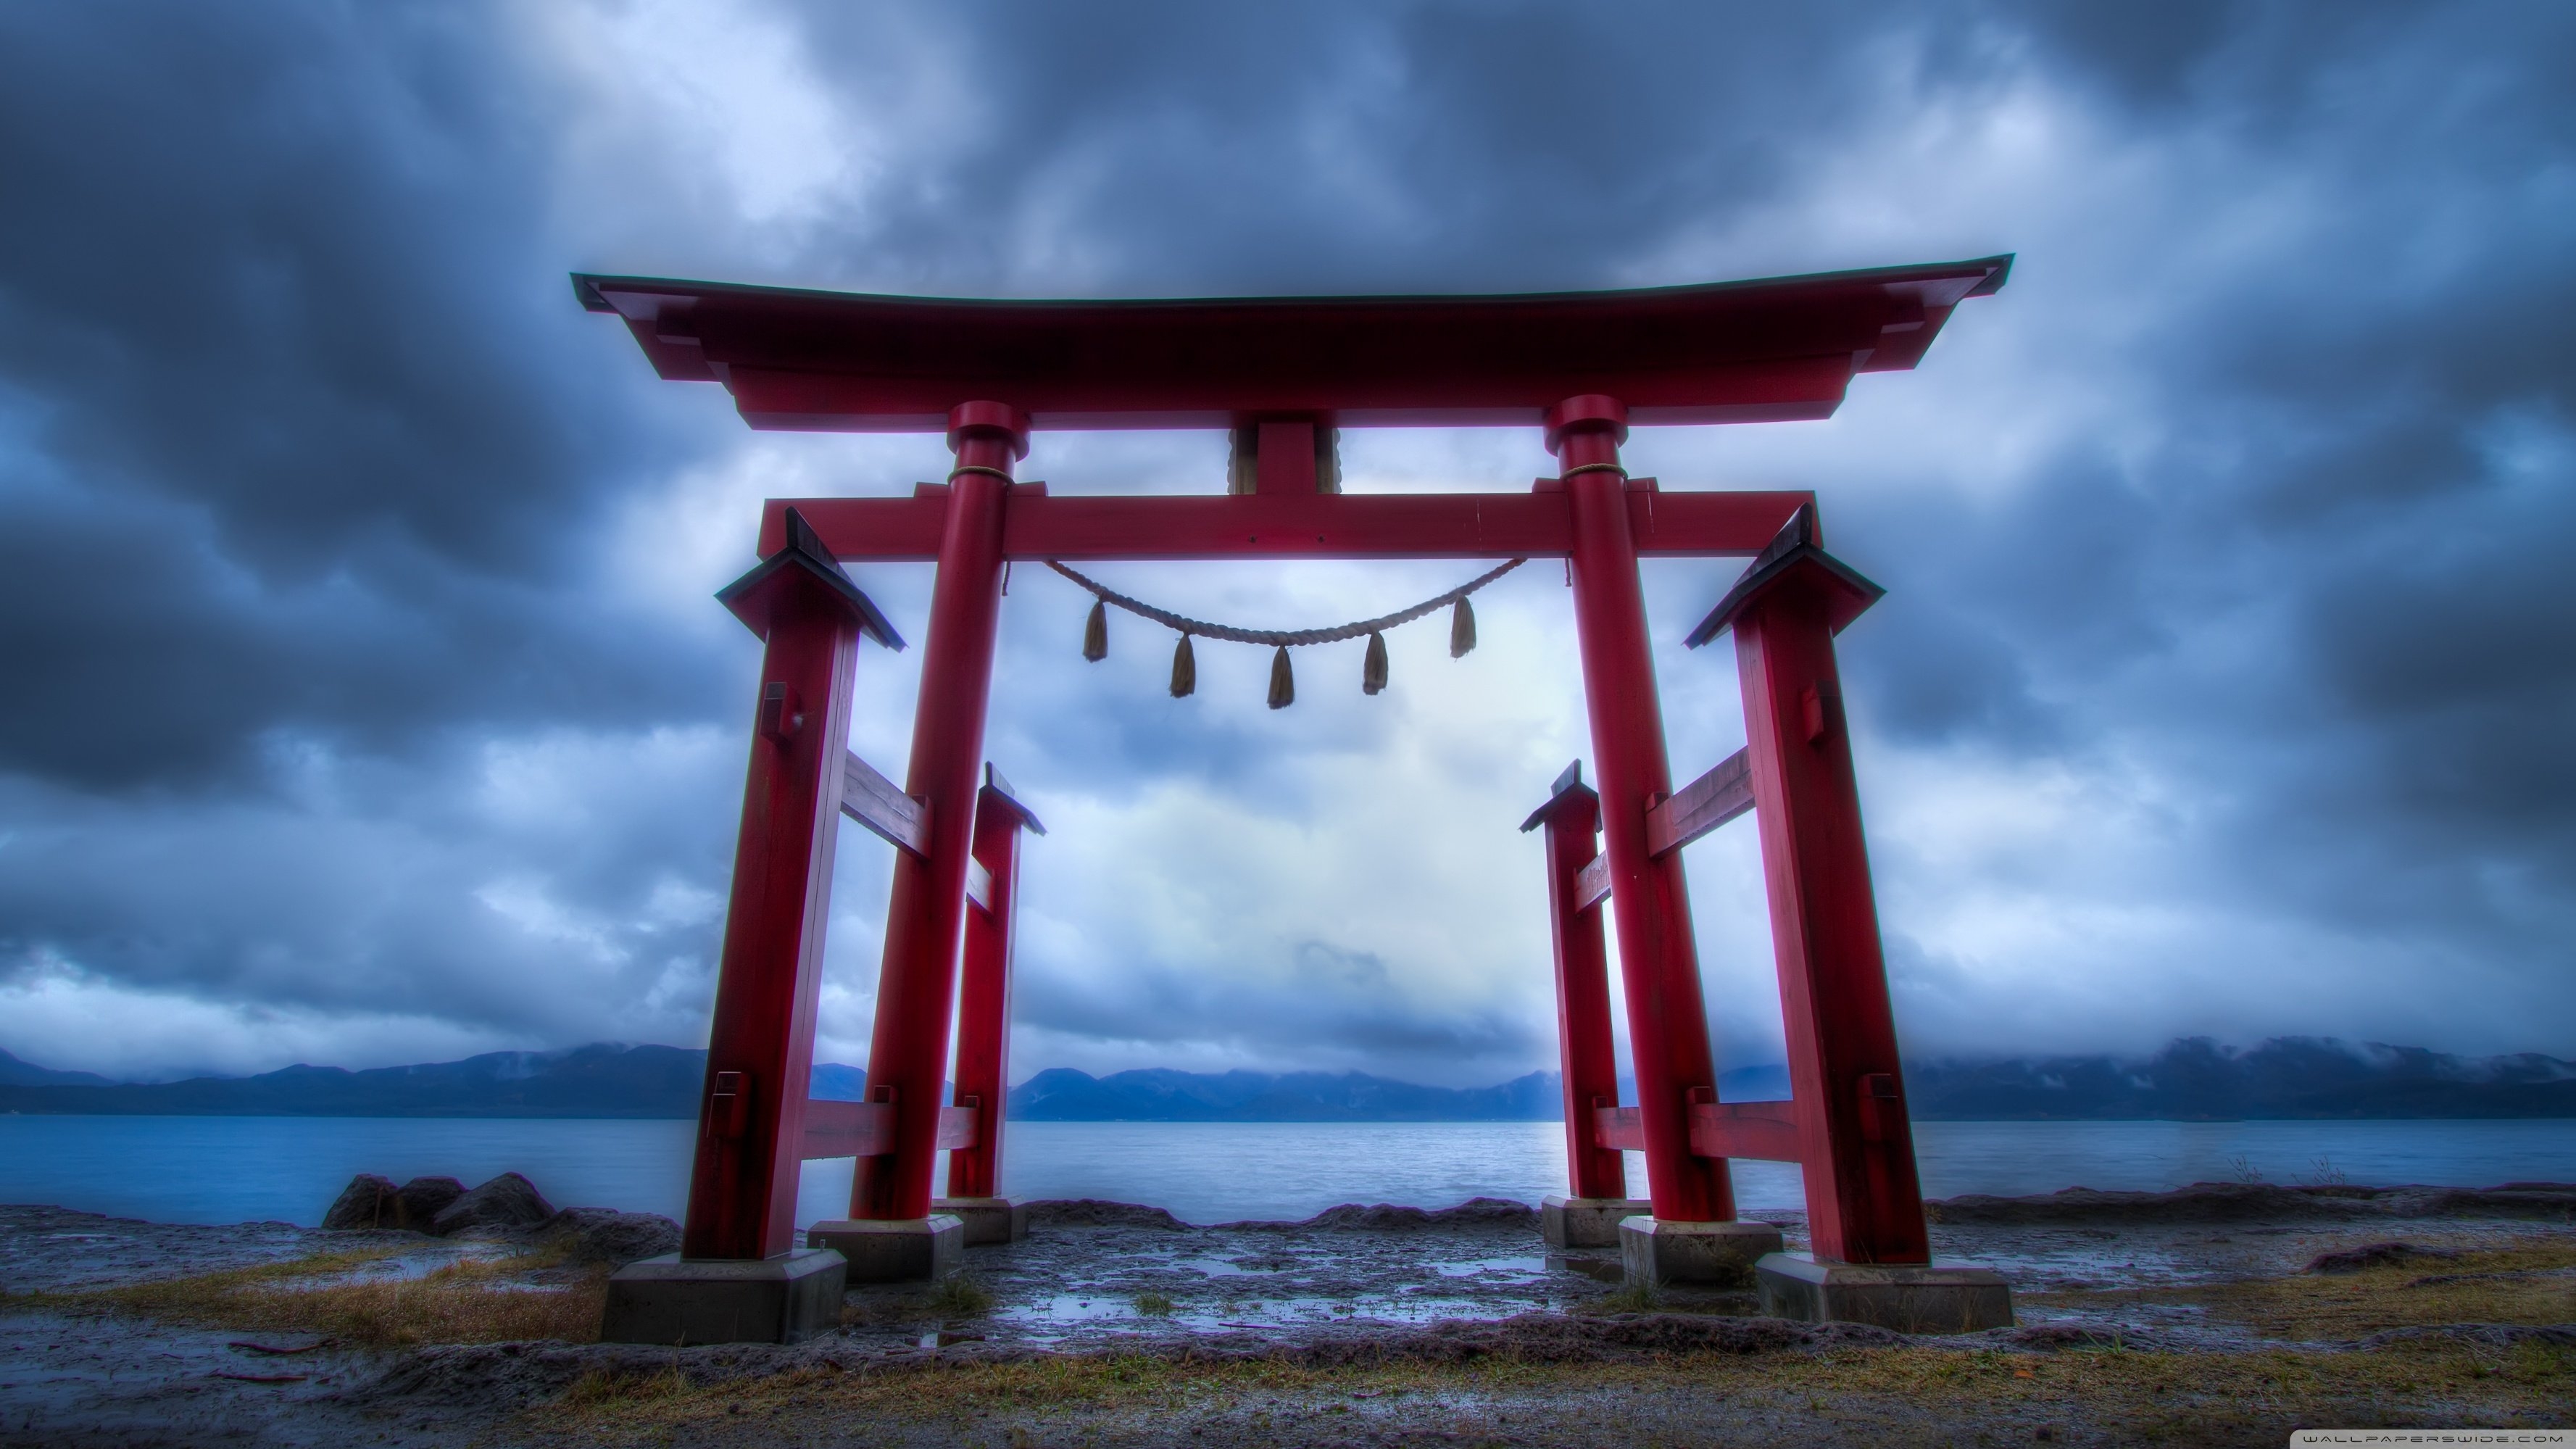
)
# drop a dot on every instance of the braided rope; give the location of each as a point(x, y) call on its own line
point(1285, 638)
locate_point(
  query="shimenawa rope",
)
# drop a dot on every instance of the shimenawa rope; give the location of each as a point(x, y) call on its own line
point(1283, 685)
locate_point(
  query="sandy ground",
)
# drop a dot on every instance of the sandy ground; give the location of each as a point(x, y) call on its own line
point(2166, 1319)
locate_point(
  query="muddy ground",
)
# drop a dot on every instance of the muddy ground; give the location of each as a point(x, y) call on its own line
point(2185, 1318)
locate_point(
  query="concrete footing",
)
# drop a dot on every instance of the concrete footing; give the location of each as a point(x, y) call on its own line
point(893, 1250)
point(675, 1300)
point(1917, 1298)
point(1722, 1255)
point(989, 1221)
point(1587, 1222)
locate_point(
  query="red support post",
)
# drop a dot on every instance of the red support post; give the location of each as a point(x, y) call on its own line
point(751, 1130)
point(1864, 1202)
point(908, 1051)
point(1572, 817)
point(1658, 962)
point(984, 996)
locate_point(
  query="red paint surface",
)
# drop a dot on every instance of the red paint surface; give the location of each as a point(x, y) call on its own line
point(984, 999)
point(1771, 349)
point(1658, 963)
point(916, 986)
point(1589, 1064)
point(1347, 525)
point(1864, 1203)
point(742, 1181)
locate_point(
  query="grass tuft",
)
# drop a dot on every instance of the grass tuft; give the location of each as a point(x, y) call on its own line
point(961, 1295)
point(1635, 1298)
point(1154, 1305)
point(473, 1300)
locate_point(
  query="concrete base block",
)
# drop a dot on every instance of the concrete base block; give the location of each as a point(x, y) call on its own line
point(1934, 1298)
point(989, 1220)
point(894, 1250)
point(1587, 1222)
point(674, 1300)
point(1718, 1255)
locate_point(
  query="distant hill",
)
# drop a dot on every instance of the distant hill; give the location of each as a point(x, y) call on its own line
point(2196, 1079)
point(1061, 1094)
point(16, 1073)
point(600, 1080)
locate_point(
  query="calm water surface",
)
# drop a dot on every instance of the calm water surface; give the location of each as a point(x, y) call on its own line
point(236, 1169)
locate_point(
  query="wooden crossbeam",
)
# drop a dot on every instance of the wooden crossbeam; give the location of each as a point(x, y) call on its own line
point(1702, 805)
point(1764, 1130)
point(1339, 525)
point(979, 884)
point(872, 800)
point(866, 1129)
point(1767, 1131)
point(1592, 883)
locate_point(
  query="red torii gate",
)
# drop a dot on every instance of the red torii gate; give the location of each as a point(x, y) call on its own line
point(1283, 373)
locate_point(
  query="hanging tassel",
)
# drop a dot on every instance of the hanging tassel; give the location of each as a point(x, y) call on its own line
point(1373, 669)
point(1095, 633)
point(1185, 670)
point(1283, 683)
point(1462, 629)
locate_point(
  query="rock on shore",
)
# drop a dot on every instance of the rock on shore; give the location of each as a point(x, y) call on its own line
point(507, 1207)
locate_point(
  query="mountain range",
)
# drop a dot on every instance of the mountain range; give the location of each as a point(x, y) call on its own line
point(2193, 1080)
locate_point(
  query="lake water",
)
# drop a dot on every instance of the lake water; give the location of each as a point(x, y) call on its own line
point(237, 1169)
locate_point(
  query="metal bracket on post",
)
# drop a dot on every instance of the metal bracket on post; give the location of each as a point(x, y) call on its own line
point(779, 717)
point(728, 1113)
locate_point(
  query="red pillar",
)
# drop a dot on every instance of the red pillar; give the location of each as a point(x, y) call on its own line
point(984, 995)
point(916, 987)
point(1658, 963)
point(1864, 1203)
point(1572, 817)
point(742, 1182)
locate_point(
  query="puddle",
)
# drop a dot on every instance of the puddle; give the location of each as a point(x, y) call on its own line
point(1069, 1310)
point(1600, 1270)
point(1474, 1266)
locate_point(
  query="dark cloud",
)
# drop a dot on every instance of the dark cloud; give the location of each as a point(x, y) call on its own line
point(351, 578)
point(306, 436)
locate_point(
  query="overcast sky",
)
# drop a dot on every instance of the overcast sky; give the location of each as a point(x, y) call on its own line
point(365, 702)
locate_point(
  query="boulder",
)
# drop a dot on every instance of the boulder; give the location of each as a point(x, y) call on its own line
point(367, 1202)
point(422, 1199)
point(1092, 1212)
point(509, 1203)
point(605, 1235)
point(2375, 1255)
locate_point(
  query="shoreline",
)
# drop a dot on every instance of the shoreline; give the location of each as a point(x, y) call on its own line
point(1413, 1320)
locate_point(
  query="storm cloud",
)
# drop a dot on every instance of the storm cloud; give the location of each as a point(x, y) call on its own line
point(366, 703)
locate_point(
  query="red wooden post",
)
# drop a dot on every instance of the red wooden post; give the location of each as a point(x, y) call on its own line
point(1864, 1203)
point(1572, 817)
point(1658, 964)
point(742, 1183)
point(984, 996)
point(908, 1051)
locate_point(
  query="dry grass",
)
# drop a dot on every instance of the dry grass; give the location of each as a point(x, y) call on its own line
point(469, 1301)
point(2527, 1282)
point(2184, 1399)
point(1900, 1394)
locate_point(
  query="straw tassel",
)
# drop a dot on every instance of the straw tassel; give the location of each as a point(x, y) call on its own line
point(1373, 669)
point(1185, 670)
point(1283, 682)
point(1462, 629)
point(1095, 633)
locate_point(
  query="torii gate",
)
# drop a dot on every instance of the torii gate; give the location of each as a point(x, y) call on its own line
point(1283, 373)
